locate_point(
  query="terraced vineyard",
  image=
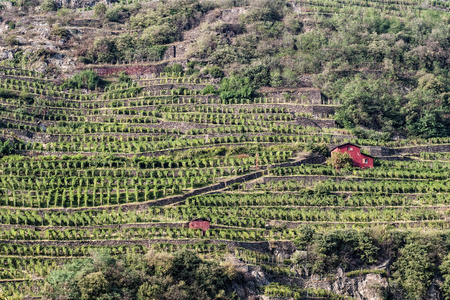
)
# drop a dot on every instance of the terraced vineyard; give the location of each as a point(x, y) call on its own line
point(394, 8)
point(127, 168)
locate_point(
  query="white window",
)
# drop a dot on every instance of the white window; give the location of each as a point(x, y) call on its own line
point(366, 161)
point(349, 148)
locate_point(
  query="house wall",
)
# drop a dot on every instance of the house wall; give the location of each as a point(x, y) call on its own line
point(356, 156)
point(204, 225)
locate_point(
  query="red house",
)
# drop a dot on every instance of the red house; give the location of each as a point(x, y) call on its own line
point(202, 224)
point(359, 159)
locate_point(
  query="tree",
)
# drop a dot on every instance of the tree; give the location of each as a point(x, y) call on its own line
point(370, 103)
point(427, 108)
point(445, 270)
point(414, 270)
point(92, 285)
point(157, 275)
point(340, 160)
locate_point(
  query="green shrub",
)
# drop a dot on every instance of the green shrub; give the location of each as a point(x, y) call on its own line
point(321, 149)
point(209, 90)
point(60, 32)
point(48, 6)
point(414, 270)
point(117, 14)
point(11, 24)
point(236, 87)
point(215, 72)
point(340, 160)
point(124, 78)
point(84, 60)
point(366, 271)
point(100, 10)
point(85, 79)
point(160, 34)
point(175, 69)
point(6, 148)
point(12, 40)
point(156, 275)
point(7, 94)
point(264, 10)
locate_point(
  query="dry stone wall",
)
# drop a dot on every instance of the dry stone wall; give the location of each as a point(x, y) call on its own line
point(321, 123)
point(302, 95)
point(135, 70)
point(415, 150)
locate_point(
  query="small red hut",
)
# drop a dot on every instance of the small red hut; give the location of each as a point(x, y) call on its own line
point(202, 224)
point(359, 159)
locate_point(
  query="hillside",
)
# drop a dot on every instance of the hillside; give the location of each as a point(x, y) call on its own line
point(122, 122)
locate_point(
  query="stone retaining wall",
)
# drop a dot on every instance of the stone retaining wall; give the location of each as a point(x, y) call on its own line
point(419, 149)
point(321, 123)
point(134, 70)
point(170, 86)
point(323, 111)
point(416, 150)
point(302, 96)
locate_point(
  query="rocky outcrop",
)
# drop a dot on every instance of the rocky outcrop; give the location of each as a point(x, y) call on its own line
point(78, 3)
point(434, 291)
point(363, 287)
point(254, 277)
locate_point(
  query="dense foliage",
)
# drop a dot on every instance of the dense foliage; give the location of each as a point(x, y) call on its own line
point(340, 160)
point(389, 74)
point(86, 79)
point(6, 148)
point(416, 256)
point(155, 275)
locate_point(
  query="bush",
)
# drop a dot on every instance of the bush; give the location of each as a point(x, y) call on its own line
point(11, 24)
point(414, 270)
point(236, 87)
point(258, 75)
point(100, 10)
point(293, 24)
point(264, 10)
point(84, 60)
point(117, 14)
point(6, 148)
point(60, 32)
point(175, 69)
point(48, 6)
point(112, 15)
point(28, 98)
point(340, 160)
point(85, 79)
point(366, 271)
point(7, 94)
point(178, 275)
point(12, 40)
point(209, 90)
point(321, 149)
point(345, 248)
point(124, 78)
point(160, 34)
point(215, 72)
